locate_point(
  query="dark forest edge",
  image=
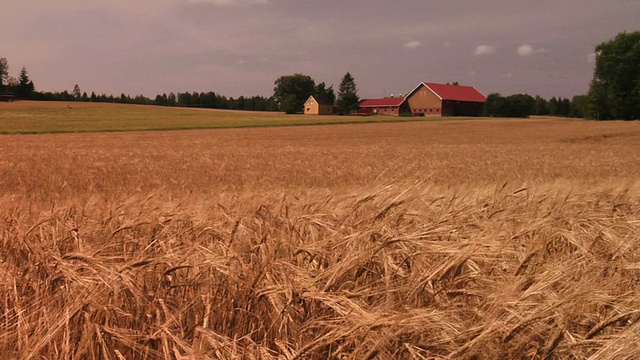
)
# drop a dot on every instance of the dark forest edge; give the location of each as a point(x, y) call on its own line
point(194, 99)
point(525, 105)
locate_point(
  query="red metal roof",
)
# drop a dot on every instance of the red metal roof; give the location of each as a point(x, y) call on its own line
point(394, 101)
point(456, 92)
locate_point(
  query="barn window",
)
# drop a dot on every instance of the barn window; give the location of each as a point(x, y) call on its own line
point(311, 103)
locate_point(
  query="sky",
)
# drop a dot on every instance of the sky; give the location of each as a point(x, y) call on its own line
point(240, 47)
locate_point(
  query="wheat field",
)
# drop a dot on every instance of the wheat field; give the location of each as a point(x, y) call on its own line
point(425, 240)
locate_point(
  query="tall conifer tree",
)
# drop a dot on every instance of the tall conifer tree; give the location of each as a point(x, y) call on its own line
point(348, 99)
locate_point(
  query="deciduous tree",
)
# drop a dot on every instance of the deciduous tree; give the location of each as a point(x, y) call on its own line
point(518, 105)
point(291, 91)
point(578, 106)
point(615, 90)
point(4, 73)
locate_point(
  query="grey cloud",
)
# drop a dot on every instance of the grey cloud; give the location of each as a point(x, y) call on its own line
point(412, 44)
point(525, 50)
point(240, 47)
point(484, 50)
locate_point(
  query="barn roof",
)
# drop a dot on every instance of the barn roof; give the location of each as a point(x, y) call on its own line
point(454, 92)
point(388, 101)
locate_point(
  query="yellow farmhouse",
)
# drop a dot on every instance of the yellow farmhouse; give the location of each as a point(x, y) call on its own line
point(314, 107)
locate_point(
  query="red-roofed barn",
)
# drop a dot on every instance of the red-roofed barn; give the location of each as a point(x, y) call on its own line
point(385, 106)
point(431, 99)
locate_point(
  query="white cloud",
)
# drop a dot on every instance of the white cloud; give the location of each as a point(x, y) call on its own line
point(507, 75)
point(525, 50)
point(473, 73)
point(484, 50)
point(412, 44)
point(591, 58)
point(446, 44)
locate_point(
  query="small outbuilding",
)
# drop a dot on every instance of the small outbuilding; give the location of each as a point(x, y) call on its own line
point(432, 99)
point(314, 107)
point(384, 106)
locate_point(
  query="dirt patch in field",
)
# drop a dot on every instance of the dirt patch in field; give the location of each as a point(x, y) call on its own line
point(610, 138)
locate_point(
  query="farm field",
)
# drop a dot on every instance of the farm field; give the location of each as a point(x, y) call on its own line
point(25, 117)
point(476, 239)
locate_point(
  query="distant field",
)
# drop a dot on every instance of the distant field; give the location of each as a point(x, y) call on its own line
point(60, 117)
point(475, 239)
point(448, 153)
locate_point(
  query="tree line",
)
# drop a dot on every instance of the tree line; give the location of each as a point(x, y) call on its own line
point(525, 105)
point(194, 99)
point(24, 88)
point(215, 101)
